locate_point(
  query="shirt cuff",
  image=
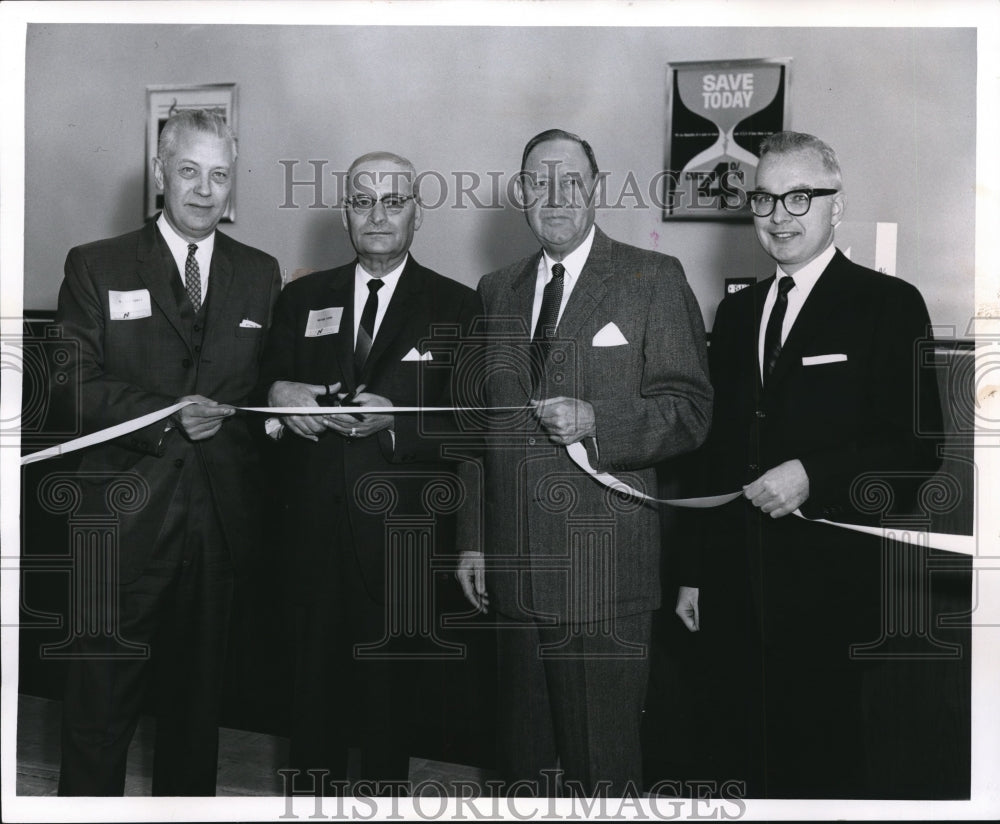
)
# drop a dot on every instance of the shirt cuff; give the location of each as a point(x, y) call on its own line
point(274, 428)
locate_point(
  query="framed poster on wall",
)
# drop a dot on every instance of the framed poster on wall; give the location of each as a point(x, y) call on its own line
point(717, 114)
point(163, 101)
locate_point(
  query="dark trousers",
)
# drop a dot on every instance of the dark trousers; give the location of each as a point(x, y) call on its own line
point(179, 606)
point(572, 695)
point(814, 738)
point(346, 691)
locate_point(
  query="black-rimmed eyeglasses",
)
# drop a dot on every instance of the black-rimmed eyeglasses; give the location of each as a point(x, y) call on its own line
point(393, 204)
point(796, 202)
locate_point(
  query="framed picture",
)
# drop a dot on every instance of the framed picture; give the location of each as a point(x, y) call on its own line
point(717, 114)
point(163, 101)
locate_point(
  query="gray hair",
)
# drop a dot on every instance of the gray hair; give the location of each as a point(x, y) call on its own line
point(207, 121)
point(410, 172)
point(790, 142)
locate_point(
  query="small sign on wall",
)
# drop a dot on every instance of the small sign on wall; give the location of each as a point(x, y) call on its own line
point(163, 101)
point(718, 112)
point(734, 285)
point(869, 244)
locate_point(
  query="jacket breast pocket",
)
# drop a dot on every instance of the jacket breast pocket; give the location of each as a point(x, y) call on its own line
point(249, 333)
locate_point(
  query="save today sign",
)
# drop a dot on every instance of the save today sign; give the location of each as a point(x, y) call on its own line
point(719, 113)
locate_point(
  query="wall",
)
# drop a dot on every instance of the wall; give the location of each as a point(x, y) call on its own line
point(897, 104)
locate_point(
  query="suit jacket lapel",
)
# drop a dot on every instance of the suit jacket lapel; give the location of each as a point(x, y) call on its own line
point(220, 281)
point(156, 268)
point(589, 290)
point(408, 292)
point(759, 297)
point(825, 296)
point(342, 294)
point(519, 304)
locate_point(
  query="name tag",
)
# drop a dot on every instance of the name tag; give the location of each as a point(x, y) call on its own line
point(129, 305)
point(323, 321)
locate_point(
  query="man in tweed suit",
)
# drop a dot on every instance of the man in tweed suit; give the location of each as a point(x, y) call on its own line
point(601, 344)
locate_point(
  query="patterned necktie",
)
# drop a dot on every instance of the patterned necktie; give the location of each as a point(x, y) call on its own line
point(772, 335)
point(192, 277)
point(548, 316)
point(366, 331)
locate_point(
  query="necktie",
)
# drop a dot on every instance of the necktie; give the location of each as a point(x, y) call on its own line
point(548, 316)
point(545, 329)
point(772, 335)
point(366, 331)
point(192, 277)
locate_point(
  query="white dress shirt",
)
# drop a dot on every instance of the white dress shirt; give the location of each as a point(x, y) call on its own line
point(178, 247)
point(361, 292)
point(805, 280)
point(573, 263)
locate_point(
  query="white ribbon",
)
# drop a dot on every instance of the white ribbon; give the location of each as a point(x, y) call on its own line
point(127, 427)
point(578, 454)
point(103, 435)
point(963, 544)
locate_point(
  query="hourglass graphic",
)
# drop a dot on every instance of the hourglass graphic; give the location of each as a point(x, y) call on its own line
point(720, 113)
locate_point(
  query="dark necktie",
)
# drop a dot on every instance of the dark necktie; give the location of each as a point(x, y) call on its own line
point(192, 277)
point(366, 331)
point(772, 335)
point(548, 316)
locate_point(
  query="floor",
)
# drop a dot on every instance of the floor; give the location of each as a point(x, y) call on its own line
point(248, 761)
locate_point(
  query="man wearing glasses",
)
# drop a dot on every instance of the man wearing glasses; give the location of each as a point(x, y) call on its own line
point(817, 379)
point(365, 333)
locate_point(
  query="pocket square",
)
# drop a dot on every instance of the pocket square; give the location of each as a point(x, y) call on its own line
point(246, 323)
point(609, 335)
point(816, 360)
point(414, 355)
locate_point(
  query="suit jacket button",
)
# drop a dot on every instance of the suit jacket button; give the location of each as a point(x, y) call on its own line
point(531, 441)
point(197, 348)
point(186, 363)
point(761, 413)
point(752, 468)
point(197, 327)
point(179, 463)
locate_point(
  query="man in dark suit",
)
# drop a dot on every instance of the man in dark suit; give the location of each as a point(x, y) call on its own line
point(175, 311)
point(603, 345)
point(818, 391)
point(386, 325)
